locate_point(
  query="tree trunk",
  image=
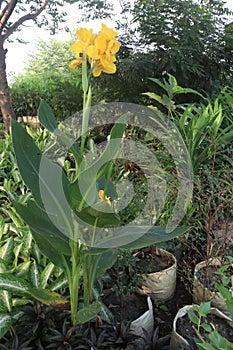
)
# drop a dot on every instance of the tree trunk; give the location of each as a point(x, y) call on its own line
point(5, 101)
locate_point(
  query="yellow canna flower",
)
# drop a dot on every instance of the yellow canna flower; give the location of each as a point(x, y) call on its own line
point(100, 49)
point(102, 54)
point(103, 197)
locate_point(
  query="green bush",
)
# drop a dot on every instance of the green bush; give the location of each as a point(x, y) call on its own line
point(61, 92)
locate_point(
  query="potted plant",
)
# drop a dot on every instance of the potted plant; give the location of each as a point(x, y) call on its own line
point(122, 297)
point(158, 269)
point(201, 327)
point(207, 275)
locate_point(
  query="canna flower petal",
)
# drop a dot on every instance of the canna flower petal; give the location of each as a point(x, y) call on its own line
point(101, 43)
point(113, 46)
point(106, 61)
point(97, 72)
point(76, 63)
point(92, 52)
point(110, 69)
point(85, 35)
point(108, 32)
point(103, 197)
point(98, 68)
point(78, 47)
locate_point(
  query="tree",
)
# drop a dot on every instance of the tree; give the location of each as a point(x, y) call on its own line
point(186, 38)
point(13, 14)
point(50, 55)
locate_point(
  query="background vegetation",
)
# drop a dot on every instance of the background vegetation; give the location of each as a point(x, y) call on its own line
point(190, 40)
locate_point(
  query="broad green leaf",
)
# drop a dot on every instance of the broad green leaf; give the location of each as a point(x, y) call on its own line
point(103, 262)
point(133, 237)
point(22, 269)
point(106, 314)
point(54, 187)
point(88, 312)
point(39, 222)
point(90, 173)
point(5, 301)
point(6, 251)
point(99, 215)
point(34, 274)
point(19, 302)
point(36, 253)
point(13, 284)
point(28, 157)
point(14, 216)
point(193, 317)
point(46, 274)
point(48, 249)
point(3, 266)
point(5, 324)
point(180, 90)
point(2, 226)
point(46, 116)
point(155, 97)
point(47, 297)
point(59, 283)
point(76, 197)
point(204, 308)
point(17, 250)
point(216, 342)
point(28, 243)
point(224, 291)
point(206, 327)
point(46, 180)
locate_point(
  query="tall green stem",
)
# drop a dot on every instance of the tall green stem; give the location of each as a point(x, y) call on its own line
point(88, 272)
point(75, 273)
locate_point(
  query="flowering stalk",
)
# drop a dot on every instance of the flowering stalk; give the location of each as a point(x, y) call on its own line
point(86, 101)
point(96, 54)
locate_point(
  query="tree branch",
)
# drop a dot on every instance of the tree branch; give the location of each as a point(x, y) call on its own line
point(6, 13)
point(23, 19)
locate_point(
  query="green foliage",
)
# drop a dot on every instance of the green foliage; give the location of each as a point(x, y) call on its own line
point(61, 93)
point(43, 327)
point(205, 128)
point(123, 276)
point(47, 76)
point(187, 39)
point(211, 340)
point(197, 313)
point(95, 9)
point(53, 56)
point(21, 263)
point(127, 84)
point(226, 281)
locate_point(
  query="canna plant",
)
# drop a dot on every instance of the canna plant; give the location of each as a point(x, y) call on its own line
point(71, 207)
